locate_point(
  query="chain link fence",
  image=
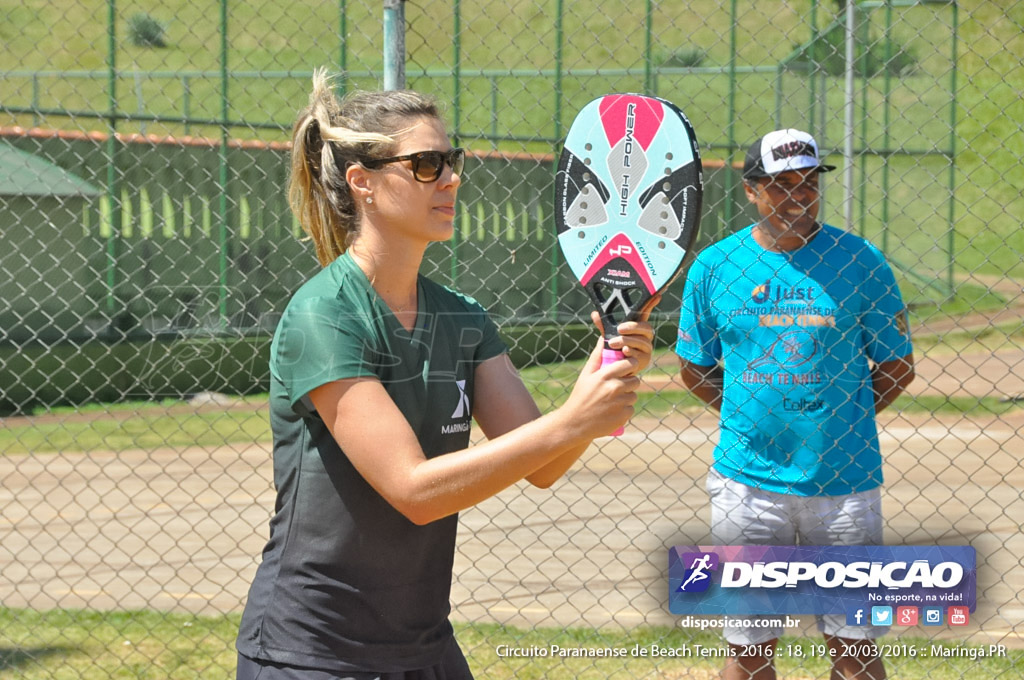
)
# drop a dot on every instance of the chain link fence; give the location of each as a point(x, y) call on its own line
point(147, 252)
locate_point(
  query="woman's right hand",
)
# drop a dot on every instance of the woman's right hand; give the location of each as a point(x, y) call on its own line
point(603, 397)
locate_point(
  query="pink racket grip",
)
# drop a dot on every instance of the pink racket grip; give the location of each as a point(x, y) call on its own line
point(610, 356)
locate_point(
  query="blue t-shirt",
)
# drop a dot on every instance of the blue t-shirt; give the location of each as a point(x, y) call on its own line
point(794, 332)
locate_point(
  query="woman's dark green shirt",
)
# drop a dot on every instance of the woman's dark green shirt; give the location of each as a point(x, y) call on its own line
point(346, 581)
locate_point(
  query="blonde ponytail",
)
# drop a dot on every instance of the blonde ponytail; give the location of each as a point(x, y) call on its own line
point(327, 137)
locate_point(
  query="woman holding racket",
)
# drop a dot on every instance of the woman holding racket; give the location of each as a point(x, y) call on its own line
point(375, 374)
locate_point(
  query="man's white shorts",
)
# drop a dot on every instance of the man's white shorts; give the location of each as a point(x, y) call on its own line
point(745, 515)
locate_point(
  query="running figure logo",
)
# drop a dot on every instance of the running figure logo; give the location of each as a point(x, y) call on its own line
point(697, 578)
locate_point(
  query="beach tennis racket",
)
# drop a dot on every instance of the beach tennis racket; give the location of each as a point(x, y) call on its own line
point(627, 202)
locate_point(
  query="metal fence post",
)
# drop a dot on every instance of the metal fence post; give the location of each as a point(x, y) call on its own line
point(729, 175)
point(186, 103)
point(648, 56)
point(886, 112)
point(343, 45)
point(457, 70)
point(559, 45)
point(394, 44)
point(222, 211)
point(952, 143)
point(112, 184)
point(865, 66)
point(457, 122)
point(813, 73)
point(849, 109)
point(35, 100)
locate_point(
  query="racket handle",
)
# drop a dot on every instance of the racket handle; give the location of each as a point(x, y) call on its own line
point(610, 356)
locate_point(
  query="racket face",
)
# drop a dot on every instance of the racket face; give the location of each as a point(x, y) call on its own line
point(627, 200)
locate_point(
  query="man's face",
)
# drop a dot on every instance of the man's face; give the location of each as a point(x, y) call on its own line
point(788, 203)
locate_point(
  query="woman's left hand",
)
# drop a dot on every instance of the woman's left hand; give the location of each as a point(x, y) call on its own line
point(635, 339)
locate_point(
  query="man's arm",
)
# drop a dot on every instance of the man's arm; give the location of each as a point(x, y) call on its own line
point(890, 378)
point(704, 381)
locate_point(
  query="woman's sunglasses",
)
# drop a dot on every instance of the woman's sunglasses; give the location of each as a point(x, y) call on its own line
point(427, 166)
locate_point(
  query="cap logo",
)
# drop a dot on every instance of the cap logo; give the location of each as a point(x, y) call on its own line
point(781, 151)
point(795, 148)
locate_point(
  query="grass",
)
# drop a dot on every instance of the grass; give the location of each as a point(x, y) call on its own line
point(965, 406)
point(137, 425)
point(926, 304)
point(39, 35)
point(92, 644)
point(148, 644)
point(152, 427)
point(989, 195)
point(991, 338)
point(907, 210)
point(172, 423)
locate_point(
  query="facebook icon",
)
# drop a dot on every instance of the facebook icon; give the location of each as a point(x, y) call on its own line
point(856, 617)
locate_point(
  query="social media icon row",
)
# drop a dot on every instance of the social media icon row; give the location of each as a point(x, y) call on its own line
point(907, 616)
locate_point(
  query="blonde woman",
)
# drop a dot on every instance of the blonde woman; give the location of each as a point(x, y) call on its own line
point(376, 373)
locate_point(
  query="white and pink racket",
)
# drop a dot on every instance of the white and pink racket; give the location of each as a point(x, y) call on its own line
point(627, 202)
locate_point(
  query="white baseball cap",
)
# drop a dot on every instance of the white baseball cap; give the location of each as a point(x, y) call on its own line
point(780, 151)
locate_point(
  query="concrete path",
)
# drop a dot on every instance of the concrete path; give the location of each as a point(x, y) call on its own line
point(181, 530)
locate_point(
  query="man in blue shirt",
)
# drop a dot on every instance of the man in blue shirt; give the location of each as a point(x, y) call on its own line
point(796, 332)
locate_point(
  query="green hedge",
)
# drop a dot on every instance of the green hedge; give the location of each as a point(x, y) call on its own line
point(193, 301)
point(35, 375)
point(51, 375)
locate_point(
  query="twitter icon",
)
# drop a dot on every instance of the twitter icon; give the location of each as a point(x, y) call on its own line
point(881, 616)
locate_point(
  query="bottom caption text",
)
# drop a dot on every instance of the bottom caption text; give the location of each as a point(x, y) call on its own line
point(699, 651)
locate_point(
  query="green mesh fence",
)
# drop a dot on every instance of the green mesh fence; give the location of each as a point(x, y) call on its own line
point(148, 252)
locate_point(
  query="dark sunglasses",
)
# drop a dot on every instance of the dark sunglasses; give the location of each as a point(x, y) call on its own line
point(427, 166)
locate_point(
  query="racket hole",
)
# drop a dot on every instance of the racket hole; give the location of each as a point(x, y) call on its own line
point(666, 187)
point(586, 190)
point(668, 156)
point(582, 234)
point(586, 177)
point(668, 171)
point(588, 146)
point(661, 245)
point(664, 215)
point(583, 206)
point(583, 220)
point(586, 161)
point(663, 230)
